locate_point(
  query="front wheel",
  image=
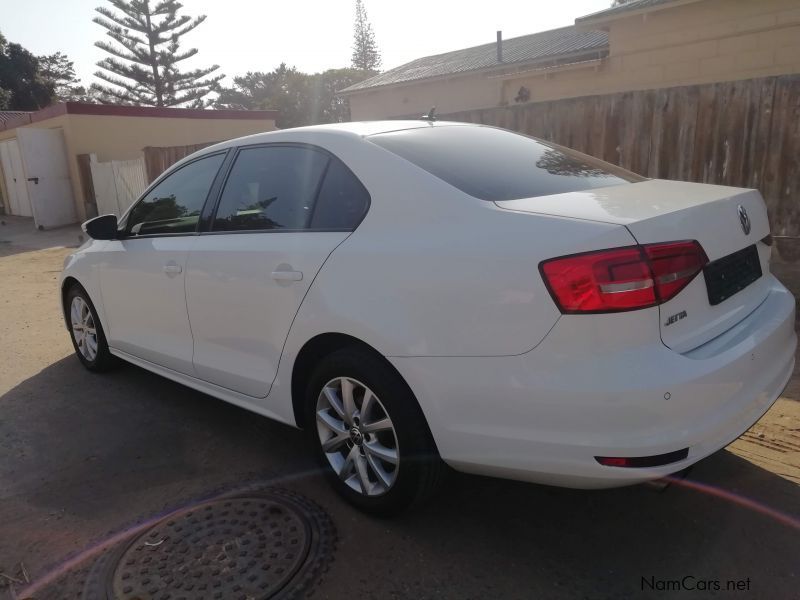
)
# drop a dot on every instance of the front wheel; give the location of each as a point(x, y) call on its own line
point(370, 434)
point(86, 332)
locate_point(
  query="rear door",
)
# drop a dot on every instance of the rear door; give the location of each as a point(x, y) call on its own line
point(282, 211)
point(142, 275)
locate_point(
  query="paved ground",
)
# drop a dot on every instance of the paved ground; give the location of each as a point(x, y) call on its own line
point(82, 456)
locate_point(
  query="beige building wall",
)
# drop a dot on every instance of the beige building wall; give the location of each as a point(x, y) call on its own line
point(450, 94)
point(113, 137)
point(697, 41)
point(121, 138)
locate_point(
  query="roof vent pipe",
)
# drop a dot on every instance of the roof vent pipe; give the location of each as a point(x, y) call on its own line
point(499, 46)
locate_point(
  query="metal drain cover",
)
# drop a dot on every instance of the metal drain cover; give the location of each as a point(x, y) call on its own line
point(250, 548)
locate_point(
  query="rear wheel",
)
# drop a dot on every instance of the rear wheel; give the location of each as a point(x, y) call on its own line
point(370, 435)
point(86, 332)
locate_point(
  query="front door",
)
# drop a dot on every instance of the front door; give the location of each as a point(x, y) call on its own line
point(44, 154)
point(273, 230)
point(142, 274)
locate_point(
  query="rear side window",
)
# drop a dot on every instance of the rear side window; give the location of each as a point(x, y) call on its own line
point(174, 205)
point(495, 164)
point(342, 200)
point(272, 187)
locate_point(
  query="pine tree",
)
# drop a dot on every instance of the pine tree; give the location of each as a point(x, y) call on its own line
point(366, 55)
point(148, 39)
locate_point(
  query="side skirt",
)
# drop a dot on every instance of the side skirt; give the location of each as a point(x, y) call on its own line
point(221, 393)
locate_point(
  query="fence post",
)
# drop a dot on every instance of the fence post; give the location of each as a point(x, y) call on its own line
point(87, 185)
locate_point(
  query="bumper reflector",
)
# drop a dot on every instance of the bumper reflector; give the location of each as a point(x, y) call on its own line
point(643, 461)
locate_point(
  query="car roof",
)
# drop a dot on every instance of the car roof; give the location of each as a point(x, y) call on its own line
point(357, 129)
point(366, 128)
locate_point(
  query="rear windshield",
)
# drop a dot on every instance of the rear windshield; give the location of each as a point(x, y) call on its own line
point(495, 164)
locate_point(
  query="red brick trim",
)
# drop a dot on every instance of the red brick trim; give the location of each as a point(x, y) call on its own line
point(15, 122)
point(114, 110)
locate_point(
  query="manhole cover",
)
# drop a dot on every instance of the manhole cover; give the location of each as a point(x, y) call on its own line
point(251, 547)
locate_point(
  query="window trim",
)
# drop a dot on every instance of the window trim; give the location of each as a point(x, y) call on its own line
point(124, 233)
point(206, 226)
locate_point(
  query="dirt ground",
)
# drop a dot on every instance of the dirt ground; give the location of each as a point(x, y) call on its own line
point(84, 456)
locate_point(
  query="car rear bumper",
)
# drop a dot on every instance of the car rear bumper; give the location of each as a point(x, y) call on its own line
point(602, 387)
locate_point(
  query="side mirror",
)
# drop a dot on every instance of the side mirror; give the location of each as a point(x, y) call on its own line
point(103, 227)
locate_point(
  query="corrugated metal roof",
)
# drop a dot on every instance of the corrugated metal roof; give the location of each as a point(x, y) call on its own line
point(543, 46)
point(8, 115)
point(622, 8)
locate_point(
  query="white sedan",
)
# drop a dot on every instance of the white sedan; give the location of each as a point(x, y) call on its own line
point(417, 293)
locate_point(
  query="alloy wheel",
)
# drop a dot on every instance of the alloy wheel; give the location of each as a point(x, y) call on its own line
point(83, 328)
point(357, 436)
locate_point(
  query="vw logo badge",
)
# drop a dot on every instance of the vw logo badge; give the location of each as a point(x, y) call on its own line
point(744, 219)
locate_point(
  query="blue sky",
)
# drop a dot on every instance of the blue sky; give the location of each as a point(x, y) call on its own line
point(248, 35)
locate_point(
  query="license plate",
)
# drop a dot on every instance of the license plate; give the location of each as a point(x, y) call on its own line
point(731, 274)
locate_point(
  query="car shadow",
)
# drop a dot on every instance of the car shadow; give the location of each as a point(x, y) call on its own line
point(728, 520)
point(18, 235)
point(85, 455)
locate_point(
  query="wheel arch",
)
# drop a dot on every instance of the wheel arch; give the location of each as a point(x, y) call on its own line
point(315, 350)
point(66, 285)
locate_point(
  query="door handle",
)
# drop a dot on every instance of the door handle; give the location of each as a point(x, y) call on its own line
point(35, 180)
point(172, 269)
point(287, 275)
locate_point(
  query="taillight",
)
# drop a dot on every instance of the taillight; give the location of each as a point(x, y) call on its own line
point(674, 265)
point(622, 279)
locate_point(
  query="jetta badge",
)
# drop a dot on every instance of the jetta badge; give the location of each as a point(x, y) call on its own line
point(744, 219)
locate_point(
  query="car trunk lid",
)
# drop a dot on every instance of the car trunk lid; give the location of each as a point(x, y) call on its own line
point(729, 224)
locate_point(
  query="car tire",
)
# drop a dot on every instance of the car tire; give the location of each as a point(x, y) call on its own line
point(86, 331)
point(379, 391)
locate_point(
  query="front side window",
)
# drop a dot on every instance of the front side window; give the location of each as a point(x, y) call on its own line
point(271, 187)
point(174, 205)
point(495, 164)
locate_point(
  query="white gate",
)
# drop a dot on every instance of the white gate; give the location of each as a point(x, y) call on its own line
point(117, 184)
point(11, 161)
point(44, 158)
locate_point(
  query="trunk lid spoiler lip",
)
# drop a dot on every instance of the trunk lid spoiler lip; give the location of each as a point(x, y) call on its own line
point(624, 204)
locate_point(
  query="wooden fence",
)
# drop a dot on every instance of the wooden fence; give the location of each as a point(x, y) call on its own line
point(158, 159)
point(740, 133)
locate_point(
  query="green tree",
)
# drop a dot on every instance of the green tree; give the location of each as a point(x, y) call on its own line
point(60, 71)
point(144, 64)
point(22, 85)
point(326, 105)
point(285, 89)
point(299, 98)
point(366, 56)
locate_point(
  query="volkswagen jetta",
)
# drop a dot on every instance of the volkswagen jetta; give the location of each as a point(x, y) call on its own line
point(418, 293)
